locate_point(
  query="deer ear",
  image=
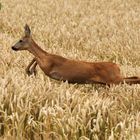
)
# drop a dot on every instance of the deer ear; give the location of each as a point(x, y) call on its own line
point(27, 30)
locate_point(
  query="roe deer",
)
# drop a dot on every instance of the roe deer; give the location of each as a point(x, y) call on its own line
point(60, 68)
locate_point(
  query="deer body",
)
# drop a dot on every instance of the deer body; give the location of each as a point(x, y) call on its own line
point(60, 68)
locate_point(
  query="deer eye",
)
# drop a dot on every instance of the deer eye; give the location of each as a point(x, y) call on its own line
point(20, 40)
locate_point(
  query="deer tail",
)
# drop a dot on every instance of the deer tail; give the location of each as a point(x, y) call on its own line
point(132, 80)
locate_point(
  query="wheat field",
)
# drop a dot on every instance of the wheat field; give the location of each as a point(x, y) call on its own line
point(39, 108)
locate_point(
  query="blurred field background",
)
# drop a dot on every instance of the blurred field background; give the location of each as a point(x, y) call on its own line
point(39, 108)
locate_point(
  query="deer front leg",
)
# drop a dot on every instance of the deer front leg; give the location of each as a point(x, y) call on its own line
point(28, 71)
point(33, 68)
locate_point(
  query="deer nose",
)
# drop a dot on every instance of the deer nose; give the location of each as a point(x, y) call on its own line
point(13, 48)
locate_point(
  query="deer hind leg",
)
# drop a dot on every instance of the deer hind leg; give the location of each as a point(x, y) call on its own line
point(132, 80)
point(133, 77)
point(31, 67)
point(96, 80)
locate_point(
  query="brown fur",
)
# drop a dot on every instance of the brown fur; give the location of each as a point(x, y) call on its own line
point(60, 68)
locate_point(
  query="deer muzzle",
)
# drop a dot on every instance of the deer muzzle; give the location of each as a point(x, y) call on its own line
point(14, 48)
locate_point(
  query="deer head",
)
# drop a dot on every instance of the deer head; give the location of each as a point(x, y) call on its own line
point(25, 42)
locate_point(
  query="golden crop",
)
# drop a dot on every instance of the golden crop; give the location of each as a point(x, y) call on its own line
point(39, 108)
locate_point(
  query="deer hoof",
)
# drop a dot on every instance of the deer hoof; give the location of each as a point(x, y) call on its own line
point(28, 72)
point(33, 71)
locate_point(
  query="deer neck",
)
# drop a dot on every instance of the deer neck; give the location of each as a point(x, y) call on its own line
point(37, 51)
